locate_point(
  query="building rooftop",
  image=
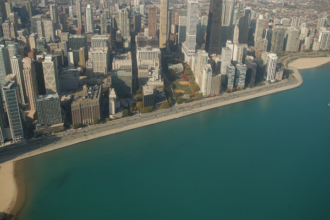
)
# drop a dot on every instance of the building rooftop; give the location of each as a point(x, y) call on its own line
point(87, 93)
point(49, 96)
point(148, 90)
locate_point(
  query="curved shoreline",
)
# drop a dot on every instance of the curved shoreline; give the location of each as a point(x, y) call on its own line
point(18, 196)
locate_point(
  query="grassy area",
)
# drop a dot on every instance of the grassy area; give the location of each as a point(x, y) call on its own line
point(185, 88)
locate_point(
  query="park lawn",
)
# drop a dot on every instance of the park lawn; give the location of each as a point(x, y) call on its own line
point(185, 88)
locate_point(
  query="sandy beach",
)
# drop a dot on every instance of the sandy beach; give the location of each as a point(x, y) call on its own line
point(9, 190)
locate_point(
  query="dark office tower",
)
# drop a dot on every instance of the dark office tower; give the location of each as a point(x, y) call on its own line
point(244, 26)
point(213, 37)
point(152, 21)
point(250, 72)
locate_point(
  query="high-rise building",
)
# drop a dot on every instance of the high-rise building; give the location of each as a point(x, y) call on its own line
point(89, 19)
point(244, 25)
point(271, 66)
point(163, 26)
point(9, 8)
point(99, 58)
point(230, 76)
point(15, 113)
point(202, 59)
point(49, 109)
point(17, 69)
point(50, 75)
point(6, 26)
point(100, 41)
point(277, 39)
point(206, 80)
point(48, 29)
point(322, 23)
point(4, 67)
point(182, 29)
point(308, 42)
point(28, 8)
point(53, 13)
point(324, 40)
point(152, 21)
point(62, 21)
point(103, 23)
point(251, 71)
point(78, 10)
point(293, 34)
point(226, 57)
point(240, 75)
point(295, 22)
point(213, 36)
point(259, 32)
point(123, 22)
point(189, 46)
point(32, 41)
point(30, 80)
point(227, 20)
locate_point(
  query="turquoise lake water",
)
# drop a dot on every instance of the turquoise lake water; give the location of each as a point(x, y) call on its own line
point(266, 158)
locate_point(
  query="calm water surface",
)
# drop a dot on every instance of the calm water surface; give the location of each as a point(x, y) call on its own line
point(266, 158)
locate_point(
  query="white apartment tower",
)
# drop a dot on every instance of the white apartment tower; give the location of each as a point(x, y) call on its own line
point(89, 19)
point(271, 66)
point(206, 80)
point(226, 56)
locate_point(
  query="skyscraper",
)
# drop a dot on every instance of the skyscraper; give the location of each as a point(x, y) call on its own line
point(259, 32)
point(49, 31)
point(189, 46)
point(251, 71)
point(192, 19)
point(182, 29)
point(293, 34)
point(78, 10)
point(295, 22)
point(277, 39)
point(324, 40)
point(271, 66)
point(15, 114)
point(226, 56)
point(202, 59)
point(50, 75)
point(322, 22)
point(163, 35)
point(4, 67)
point(240, 75)
point(89, 19)
point(30, 80)
point(226, 19)
point(206, 80)
point(54, 13)
point(123, 23)
point(152, 21)
point(213, 37)
point(17, 69)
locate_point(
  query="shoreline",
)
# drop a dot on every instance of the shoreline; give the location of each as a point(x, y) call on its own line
point(15, 177)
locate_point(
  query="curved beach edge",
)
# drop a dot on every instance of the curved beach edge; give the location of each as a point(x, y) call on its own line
point(13, 179)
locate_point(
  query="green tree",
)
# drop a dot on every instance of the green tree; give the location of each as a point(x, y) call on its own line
point(164, 105)
point(139, 97)
point(139, 91)
point(170, 101)
point(96, 121)
point(107, 119)
point(78, 125)
point(125, 113)
point(139, 105)
point(179, 100)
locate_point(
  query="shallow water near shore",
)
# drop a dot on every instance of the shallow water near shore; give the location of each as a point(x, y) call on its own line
point(266, 158)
